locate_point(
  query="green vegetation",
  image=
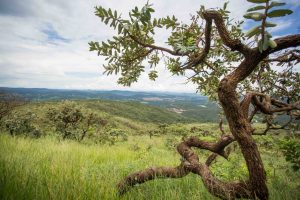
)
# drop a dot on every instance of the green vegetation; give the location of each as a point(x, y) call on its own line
point(196, 107)
point(116, 144)
point(136, 111)
point(81, 149)
point(291, 150)
point(132, 117)
point(48, 169)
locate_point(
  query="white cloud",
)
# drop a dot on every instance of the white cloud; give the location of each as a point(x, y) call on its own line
point(282, 25)
point(29, 58)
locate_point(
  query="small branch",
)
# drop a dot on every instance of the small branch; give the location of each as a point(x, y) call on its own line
point(221, 126)
point(174, 53)
point(212, 157)
point(140, 56)
point(286, 57)
point(265, 106)
point(270, 126)
point(253, 113)
point(215, 147)
point(263, 23)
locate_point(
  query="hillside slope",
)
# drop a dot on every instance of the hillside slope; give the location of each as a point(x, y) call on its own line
point(135, 111)
point(132, 117)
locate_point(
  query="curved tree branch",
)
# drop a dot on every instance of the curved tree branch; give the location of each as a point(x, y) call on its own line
point(266, 104)
point(150, 174)
point(285, 42)
point(190, 163)
point(215, 147)
point(233, 44)
point(201, 57)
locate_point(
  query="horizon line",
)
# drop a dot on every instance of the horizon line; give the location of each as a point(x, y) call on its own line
point(77, 89)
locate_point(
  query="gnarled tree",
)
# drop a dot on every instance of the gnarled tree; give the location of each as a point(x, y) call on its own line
point(237, 69)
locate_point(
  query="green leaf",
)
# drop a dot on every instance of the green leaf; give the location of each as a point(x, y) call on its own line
point(257, 1)
point(279, 13)
point(272, 44)
point(253, 31)
point(256, 8)
point(104, 11)
point(274, 3)
point(266, 42)
point(151, 9)
point(225, 5)
point(110, 13)
point(269, 24)
point(154, 22)
point(113, 23)
point(120, 29)
point(255, 16)
point(106, 20)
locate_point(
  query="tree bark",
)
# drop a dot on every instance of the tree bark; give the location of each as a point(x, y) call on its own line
point(241, 128)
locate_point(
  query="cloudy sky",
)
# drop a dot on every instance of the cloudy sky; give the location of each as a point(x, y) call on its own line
point(44, 43)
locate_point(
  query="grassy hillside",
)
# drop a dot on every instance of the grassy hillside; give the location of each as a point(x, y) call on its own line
point(135, 111)
point(48, 169)
point(133, 117)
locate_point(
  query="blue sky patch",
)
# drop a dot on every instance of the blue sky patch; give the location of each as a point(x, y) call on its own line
point(53, 35)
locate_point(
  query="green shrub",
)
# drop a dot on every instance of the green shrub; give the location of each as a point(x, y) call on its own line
point(171, 142)
point(21, 124)
point(110, 135)
point(71, 121)
point(291, 151)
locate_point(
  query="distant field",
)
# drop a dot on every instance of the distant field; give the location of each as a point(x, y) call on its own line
point(46, 168)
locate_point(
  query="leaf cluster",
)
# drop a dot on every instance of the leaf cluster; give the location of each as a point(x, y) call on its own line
point(291, 151)
point(261, 13)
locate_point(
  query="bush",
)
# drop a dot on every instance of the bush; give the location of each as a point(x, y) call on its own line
point(18, 124)
point(291, 151)
point(117, 135)
point(178, 130)
point(171, 142)
point(71, 121)
point(110, 135)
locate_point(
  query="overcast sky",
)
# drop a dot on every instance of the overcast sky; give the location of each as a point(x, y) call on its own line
point(44, 43)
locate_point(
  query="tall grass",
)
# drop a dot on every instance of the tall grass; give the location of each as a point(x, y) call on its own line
point(48, 169)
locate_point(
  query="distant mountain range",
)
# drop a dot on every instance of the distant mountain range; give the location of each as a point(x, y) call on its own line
point(39, 94)
point(189, 105)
